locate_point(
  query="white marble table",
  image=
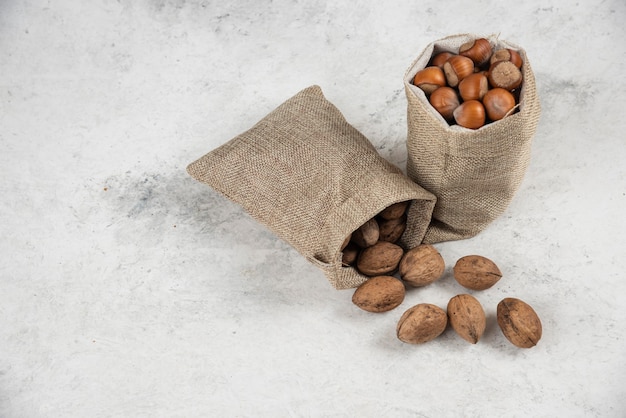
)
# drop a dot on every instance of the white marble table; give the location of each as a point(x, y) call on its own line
point(130, 290)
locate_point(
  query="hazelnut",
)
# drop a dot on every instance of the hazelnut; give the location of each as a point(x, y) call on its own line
point(421, 265)
point(467, 317)
point(379, 294)
point(519, 322)
point(478, 50)
point(421, 323)
point(507, 54)
point(498, 103)
point(429, 79)
point(476, 272)
point(445, 100)
point(470, 114)
point(457, 68)
point(504, 74)
point(474, 86)
point(440, 58)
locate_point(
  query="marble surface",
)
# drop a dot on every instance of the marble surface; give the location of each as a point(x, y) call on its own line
point(130, 290)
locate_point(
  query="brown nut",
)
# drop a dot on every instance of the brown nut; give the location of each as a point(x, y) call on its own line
point(346, 242)
point(421, 265)
point(507, 55)
point(350, 254)
point(474, 87)
point(421, 323)
point(457, 68)
point(429, 79)
point(504, 74)
point(379, 294)
point(476, 272)
point(439, 59)
point(470, 114)
point(391, 230)
point(498, 103)
point(467, 317)
point(394, 211)
point(479, 50)
point(519, 322)
point(367, 234)
point(379, 259)
point(445, 100)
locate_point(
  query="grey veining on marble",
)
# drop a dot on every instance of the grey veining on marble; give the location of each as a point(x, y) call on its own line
point(130, 290)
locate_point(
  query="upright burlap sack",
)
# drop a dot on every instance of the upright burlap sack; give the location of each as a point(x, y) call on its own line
point(473, 173)
point(312, 178)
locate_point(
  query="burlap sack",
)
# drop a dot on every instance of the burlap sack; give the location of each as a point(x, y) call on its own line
point(310, 177)
point(473, 173)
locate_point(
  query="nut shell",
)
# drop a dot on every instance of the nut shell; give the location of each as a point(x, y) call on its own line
point(380, 259)
point(474, 86)
point(394, 211)
point(479, 50)
point(379, 294)
point(421, 323)
point(391, 230)
point(476, 272)
point(421, 265)
point(445, 100)
point(470, 114)
point(440, 58)
point(350, 254)
point(346, 242)
point(467, 317)
point(367, 234)
point(457, 68)
point(498, 103)
point(519, 322)
point(507, 55)
point(504, 74)
point(429, 79)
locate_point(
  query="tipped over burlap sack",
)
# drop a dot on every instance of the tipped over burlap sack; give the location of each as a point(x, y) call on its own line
point(312, 178)
point(473, 173)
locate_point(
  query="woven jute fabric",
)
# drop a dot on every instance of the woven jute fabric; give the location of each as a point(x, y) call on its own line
point(312, 178)
point(474, 173)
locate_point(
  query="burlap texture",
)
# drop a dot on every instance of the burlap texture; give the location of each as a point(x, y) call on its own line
point(312, 178)
point(473, 173)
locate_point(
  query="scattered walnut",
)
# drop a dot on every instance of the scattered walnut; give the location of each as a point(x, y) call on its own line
point(476, 272)
point(421, 323)
point(467, 317)
point(519, 322)
point(379, 294)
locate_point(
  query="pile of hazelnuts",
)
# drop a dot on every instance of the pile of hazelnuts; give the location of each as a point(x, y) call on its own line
point(475, 86)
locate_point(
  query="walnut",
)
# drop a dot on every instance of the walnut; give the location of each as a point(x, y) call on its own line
point(379, 259)
point(379, 294)
point(421, 323)
point(519, 322)
point(476, 272)
point(467, 317)
point(421, 265)
point(391, 229)
point(394, 211)
point(367, 234)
